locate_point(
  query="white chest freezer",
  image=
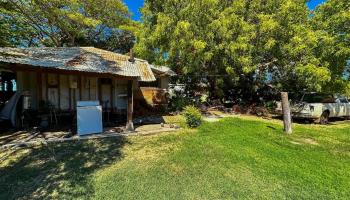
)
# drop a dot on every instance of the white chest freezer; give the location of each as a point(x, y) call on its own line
point(89, 117)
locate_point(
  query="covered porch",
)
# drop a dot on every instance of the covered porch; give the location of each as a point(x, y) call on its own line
point(55, 79)
point(53, 94)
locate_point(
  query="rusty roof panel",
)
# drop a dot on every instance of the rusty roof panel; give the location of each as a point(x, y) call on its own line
point(85, 59)
point(163, 70)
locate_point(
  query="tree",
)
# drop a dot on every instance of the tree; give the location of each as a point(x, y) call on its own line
point(331, 20)
point(72, 22)
point(13, 29)
point(235, 44)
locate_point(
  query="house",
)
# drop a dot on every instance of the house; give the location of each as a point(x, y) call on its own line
point(154, 93)
point(59, 77)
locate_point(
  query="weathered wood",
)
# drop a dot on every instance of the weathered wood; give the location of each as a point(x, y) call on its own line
point(112, 95)
point(130, 125)
point(80, 87)
point(287, 119)
point(47, 86)
point(59, 91)
point(153, 96)
point(39, 88)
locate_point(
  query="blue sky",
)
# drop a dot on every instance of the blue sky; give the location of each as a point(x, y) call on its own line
point(135, 5)
point(313, 3)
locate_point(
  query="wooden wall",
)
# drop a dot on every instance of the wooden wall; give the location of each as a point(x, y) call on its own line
point(154, 95)
point(63, 91)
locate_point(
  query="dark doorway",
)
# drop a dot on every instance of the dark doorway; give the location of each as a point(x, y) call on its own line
point(8, 86)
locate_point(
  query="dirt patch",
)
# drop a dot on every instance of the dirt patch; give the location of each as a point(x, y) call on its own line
point(31, 135)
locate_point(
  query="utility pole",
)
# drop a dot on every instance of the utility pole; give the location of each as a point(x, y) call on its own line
point(287, 119)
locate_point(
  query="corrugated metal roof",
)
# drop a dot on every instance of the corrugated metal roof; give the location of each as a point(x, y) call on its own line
point(163, 70)
point(84, 59)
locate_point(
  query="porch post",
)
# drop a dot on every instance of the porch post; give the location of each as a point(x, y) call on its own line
point(39, 81)
point(130, 124)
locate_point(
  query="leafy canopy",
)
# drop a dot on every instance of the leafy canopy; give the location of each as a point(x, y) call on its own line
point(238, 43)
point(331, 20)
point(102, 23)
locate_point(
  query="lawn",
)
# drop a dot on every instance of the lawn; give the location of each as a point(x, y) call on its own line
point(235, 158)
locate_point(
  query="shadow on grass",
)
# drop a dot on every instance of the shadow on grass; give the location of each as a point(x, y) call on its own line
point(58, 170)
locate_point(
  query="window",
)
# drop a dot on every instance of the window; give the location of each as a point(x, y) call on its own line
point(343, 100)
point(8, 82)
point(318, 98)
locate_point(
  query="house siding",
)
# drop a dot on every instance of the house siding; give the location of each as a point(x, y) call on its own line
point(64, 95)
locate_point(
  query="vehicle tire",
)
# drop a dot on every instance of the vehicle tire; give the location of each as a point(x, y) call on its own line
point(324, 119)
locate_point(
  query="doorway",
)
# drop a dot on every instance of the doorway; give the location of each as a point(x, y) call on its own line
point(8, 86)
point(105, 93)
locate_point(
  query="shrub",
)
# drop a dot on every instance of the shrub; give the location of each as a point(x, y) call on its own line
point(193, 116)
point(178, 103)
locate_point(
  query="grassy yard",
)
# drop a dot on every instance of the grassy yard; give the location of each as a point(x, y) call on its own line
point(235, 158)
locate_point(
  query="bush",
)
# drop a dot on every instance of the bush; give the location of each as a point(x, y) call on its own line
point(193, 116)
point(178, 103)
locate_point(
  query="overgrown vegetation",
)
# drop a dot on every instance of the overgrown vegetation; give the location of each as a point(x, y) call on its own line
point(238, 158)
point(232, 49)
point(193, 116)
point(236, 48)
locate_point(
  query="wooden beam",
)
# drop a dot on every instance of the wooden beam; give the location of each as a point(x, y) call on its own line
point(47, 86)
point(70, 97)
point(112, 95)
point(99, 92)
point(80, 88)
point(59, 91)
point(39, 81)
point(130, 124)
point(89, 85)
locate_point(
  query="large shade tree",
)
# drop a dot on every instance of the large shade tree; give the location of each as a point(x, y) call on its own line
point(242, 44)
point(100, 23)
point(331, 20)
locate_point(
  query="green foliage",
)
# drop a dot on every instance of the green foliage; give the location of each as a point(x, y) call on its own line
point(178, 103)
point(193, 116)
point(243, 42)
point(14, 31)
point(331, 20)
point(69, 22)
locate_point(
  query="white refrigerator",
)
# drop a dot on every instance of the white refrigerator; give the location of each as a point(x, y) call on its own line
point(89, 117)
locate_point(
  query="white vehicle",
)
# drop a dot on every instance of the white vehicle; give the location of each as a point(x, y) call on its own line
point(321, 107)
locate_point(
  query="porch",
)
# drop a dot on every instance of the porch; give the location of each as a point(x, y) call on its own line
point(53, 95)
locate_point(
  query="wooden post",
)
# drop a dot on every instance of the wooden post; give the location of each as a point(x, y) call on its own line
point(39, 80)
point(130, 124)
point(287, 119)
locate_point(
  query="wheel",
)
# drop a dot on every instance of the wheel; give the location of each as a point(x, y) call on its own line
point(324, 119)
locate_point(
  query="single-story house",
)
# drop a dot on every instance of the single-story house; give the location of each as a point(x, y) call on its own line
point(62, 76)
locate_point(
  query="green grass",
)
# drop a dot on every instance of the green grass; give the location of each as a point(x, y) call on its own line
point(235, 158)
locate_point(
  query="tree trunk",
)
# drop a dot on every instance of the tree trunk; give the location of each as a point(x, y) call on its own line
point(287, 120)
